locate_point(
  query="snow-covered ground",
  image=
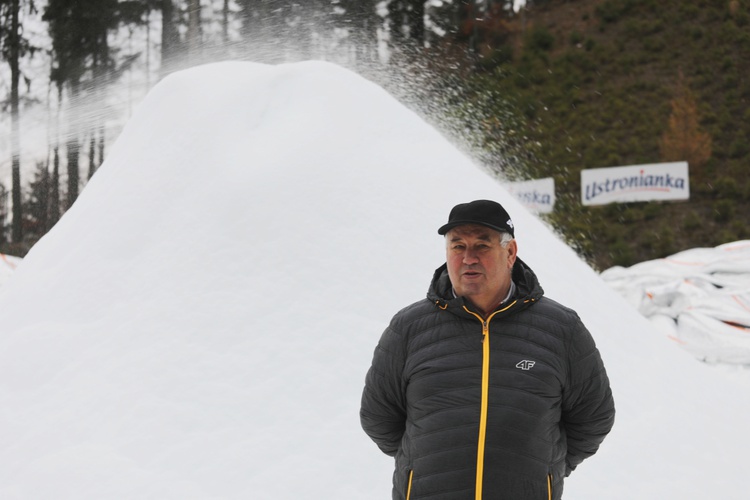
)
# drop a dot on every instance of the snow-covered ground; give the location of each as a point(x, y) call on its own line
point(199, 324)
point(8, 264)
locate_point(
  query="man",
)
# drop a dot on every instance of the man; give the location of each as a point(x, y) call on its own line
point(486, 389)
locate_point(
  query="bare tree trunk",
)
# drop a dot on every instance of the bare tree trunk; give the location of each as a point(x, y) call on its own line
point(396, 14)
point(416, 24)
point(54, 202)
point(361, 20)
point(17, 228)
point(43, 199)
point(101, 143)
point(170, 38)
point(225, 23)
point(407, 29)
point(92, 153)
point(3, 213)
point(98, 93)
point(194, 30)
point(72, 146)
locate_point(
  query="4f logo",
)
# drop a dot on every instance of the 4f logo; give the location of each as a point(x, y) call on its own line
point(526, 364)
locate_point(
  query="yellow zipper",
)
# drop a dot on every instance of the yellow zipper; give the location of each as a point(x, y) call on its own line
point(485, 394)
point(408, 488)
point(549, 486)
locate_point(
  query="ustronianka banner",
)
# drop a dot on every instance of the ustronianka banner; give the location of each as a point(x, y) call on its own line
point(536, 195)
point(659, 181)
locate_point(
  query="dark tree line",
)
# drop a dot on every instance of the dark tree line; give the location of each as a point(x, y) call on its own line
point(86, 62)
point(13, 46)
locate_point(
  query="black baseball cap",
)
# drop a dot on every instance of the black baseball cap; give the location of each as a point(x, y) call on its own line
point(483, 212)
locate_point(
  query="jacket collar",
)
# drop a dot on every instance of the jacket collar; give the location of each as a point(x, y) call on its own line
point(527, 288)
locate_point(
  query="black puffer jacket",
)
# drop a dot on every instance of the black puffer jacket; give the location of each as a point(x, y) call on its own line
point(502, 408)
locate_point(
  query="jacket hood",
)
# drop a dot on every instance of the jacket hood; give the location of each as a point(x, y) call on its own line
point(528, 289)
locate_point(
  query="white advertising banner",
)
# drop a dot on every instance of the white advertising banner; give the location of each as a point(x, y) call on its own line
point(536, 195)
point(658, 181)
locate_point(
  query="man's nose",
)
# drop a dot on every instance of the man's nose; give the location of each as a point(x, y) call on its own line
point(470, 256)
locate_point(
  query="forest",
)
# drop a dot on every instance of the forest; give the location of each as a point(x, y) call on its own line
point(542, 89)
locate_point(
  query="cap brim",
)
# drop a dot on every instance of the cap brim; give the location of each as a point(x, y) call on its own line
point(444, 229)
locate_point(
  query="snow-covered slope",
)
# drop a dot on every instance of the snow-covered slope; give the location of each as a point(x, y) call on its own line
point(199, 324)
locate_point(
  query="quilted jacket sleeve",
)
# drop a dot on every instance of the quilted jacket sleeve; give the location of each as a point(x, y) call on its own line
point(588, 409)
point(383, 410)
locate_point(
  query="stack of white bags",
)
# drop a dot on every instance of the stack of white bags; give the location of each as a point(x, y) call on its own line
point(699, 297)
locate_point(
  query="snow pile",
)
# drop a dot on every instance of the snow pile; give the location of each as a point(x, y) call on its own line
point(700, 297)
point(199, 324)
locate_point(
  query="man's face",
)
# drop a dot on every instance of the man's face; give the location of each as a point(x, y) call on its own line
point(478, 265)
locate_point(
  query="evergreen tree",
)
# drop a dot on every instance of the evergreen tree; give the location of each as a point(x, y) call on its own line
point(37, 203)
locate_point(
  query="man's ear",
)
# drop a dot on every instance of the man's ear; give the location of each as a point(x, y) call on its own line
point(512, 253)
